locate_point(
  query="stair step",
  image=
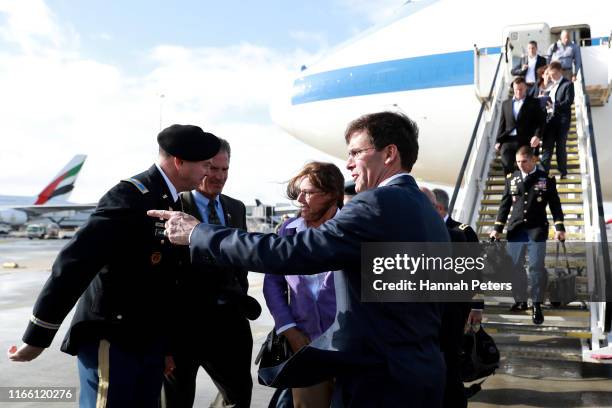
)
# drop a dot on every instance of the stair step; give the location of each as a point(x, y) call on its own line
point(572, 211)
point(561, 190)
point(567, 223)
point(569, 236)
point(570, 163)
point(502, 181)
point(570, 171)
point(562, 311)
point(536, 348)
point(563, 201)
point(530, 328)
point(574, 263)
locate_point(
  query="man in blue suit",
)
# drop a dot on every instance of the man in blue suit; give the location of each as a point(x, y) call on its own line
point(381, 354)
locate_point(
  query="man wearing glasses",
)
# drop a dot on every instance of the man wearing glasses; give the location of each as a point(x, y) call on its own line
point(381, 354)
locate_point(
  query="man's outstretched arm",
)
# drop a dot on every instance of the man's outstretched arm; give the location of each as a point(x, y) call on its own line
point(329, 247)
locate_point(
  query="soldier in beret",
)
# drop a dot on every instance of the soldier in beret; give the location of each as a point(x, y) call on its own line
point(528, 191)
point(122, 269)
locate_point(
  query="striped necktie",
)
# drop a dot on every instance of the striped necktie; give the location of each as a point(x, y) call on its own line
point(213, 218)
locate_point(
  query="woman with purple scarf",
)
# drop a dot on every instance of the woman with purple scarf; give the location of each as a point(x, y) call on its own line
point(304, 306)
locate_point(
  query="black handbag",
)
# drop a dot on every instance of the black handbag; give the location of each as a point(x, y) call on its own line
point(274, 351)
point(479, 356)
point(498, 265)
point(562, 288)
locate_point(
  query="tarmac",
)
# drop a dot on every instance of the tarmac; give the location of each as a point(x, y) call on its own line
point(519, 382)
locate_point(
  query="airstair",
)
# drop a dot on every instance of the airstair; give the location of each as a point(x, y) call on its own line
point(573, 331)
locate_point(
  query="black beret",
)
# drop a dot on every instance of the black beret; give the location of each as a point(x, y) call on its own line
point(349, 188)
point(188, 142)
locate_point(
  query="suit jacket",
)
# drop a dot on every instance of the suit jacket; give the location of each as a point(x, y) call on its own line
point(564, 98)
point(120, 266)
point(396, 343)
point(311, 315)
point(530, 122)
point(216, 285)
point(519, 71)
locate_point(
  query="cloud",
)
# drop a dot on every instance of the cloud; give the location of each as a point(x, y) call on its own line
point(30, 26)
point(57, 103)
point(216, 83)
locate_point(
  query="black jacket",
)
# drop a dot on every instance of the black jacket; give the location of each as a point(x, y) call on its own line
point(528, 199)
point(459, 232)
point(469, 235)
point(530, 122)
point(519, 71)
point(202, 288)
point(394, 343)
point(121, 268)
point(564, 98)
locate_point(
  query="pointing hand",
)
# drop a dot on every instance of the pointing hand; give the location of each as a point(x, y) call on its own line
point(178, 225)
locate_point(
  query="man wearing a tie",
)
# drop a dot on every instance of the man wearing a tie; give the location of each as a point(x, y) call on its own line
point(213, 329)
point(522, 124)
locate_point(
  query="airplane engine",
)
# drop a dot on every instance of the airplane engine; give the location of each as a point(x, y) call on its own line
point(13, 217)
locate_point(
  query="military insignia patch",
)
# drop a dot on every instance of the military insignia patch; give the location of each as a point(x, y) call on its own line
point(136, 183)
point(156, 258)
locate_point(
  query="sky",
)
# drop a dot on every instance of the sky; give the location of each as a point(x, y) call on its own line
point(87, 77)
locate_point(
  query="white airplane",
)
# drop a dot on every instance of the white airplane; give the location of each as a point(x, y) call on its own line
point(52, 199)
point(422, 63)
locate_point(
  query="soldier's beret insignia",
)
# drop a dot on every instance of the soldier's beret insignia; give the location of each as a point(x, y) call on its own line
point(156, 258)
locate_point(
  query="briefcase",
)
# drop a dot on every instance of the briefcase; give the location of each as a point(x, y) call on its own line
point(562, 286)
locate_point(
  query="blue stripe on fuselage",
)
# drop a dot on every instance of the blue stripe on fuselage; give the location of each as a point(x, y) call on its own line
point(406, 74)
point(429, 71)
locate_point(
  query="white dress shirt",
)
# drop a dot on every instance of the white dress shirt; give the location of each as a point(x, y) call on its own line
point(530, 76)
point(393, 177)
point(169, 184)
point(517, 104)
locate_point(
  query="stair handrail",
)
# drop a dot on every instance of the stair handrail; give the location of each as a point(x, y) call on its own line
point(596, 201)
point(470, 147)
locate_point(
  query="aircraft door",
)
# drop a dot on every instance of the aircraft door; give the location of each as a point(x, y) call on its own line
point(519, 37)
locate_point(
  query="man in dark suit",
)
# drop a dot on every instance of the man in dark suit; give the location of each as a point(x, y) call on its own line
point(124, 270)
point(522, 123)
point(217, 298)
point(562, 98)
point(527, 193)
point(381, 354)
point(529, 64)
